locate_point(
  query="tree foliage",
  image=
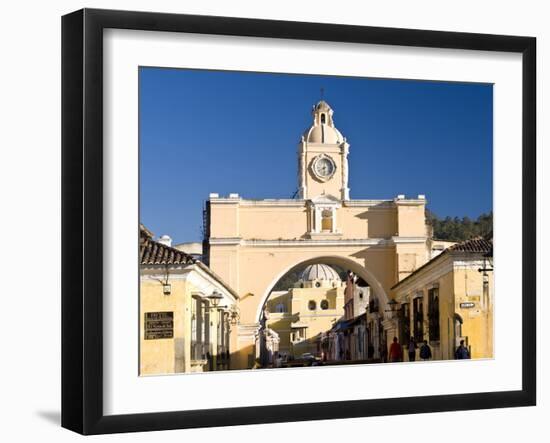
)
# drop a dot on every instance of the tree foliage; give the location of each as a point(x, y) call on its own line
point(459, 229)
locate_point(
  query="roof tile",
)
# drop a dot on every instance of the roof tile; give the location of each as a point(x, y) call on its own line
point(152, 252)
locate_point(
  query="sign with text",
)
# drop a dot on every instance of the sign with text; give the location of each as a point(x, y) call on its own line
point(467, 305)
point(159, 325)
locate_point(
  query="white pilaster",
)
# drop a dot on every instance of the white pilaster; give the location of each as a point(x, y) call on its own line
point(317, 226)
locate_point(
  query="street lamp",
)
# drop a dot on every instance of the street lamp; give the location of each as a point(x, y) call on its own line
point(215, 298)
point(487, 267)
point(393, 305)
point(487, 263)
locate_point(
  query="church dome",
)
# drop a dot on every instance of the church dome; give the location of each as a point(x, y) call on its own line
point(323, 129)
point(323, 134)
point(319, 272)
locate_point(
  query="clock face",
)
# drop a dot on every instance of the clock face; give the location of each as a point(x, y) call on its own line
point(324, 167)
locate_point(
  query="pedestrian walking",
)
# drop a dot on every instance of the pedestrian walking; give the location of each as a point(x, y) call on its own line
point(425, 351)
point(383, 349)
point(396, 353)
point(370, 351)
point(462, 352)
point(412, 349)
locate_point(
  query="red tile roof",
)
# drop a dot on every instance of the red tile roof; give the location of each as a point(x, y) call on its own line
point(152, 252)
point(476, 245)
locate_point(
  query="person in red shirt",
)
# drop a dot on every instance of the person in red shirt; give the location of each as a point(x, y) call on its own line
point(396, 353)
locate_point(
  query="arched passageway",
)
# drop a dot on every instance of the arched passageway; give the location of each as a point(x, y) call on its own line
point(341, 262)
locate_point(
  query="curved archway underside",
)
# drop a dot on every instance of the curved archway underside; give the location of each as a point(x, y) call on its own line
point(340, 261)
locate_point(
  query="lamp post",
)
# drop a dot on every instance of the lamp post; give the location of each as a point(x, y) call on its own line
point(390, 324)
point(214, 299)
point(394, 306)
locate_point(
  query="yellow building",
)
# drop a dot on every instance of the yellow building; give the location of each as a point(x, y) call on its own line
point(300, 315)
point(186, 311)
point(450, 299)
point(251, 244)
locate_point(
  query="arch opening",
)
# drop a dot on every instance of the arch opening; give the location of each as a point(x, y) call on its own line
point(326, 301)
point(340, 264)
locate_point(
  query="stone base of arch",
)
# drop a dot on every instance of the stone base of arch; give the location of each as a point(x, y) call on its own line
point(244, 338)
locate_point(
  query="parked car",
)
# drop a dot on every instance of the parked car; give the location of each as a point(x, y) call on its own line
point(309, 359)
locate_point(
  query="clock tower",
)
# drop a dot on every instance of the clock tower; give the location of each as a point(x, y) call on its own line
point(323, 158)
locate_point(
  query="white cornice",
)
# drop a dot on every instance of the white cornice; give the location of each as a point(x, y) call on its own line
point(375, 204)
point(428, 275)
point(225, 200)
point(410, 202)
point(354, 203)
point(398, 240)
point(226, 241)
point(275, 202)
point(317, 242)
point(325, 200)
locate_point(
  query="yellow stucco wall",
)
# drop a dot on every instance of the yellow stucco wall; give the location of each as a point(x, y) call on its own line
point(188, 284)
point(260, 222)
point(458, 281)
point(446, 317)
point(254, 243)
point(224, 220)
point(478, 321)
point(367, 222)
point(410, 219)
point(251, 220)
point(166, 355)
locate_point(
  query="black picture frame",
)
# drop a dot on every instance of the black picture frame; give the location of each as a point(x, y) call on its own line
point(82, 216)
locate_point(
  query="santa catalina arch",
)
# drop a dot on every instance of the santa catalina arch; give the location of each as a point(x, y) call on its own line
point(253, 243)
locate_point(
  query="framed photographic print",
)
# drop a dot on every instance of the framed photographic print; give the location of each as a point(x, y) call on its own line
point(269, 221)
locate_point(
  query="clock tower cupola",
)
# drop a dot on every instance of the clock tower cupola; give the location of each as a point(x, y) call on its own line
point(323, 158)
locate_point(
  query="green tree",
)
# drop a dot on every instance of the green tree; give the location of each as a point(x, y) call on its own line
point(459, 229)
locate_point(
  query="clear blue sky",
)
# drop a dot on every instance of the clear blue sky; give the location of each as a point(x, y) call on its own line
point(211, 131)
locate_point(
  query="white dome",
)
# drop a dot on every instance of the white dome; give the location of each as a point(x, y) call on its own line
point(323, 130)
point(323, 134)
point(319, 272)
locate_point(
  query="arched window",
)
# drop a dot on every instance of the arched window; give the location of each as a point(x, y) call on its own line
point(312, 305)
point(324, 305)
point(323, 119)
